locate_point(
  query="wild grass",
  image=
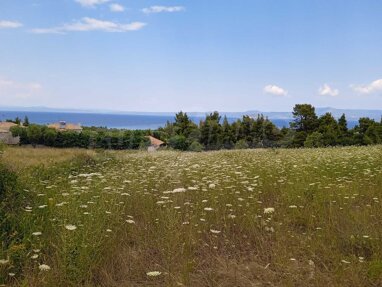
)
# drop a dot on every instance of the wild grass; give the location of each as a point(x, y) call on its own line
point(22, 157)
point(308, 217)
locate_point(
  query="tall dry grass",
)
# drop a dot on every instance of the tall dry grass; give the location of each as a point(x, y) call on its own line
point(309, 217)
point(24, 157)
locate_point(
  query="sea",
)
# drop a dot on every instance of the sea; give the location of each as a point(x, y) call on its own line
point(117, 121)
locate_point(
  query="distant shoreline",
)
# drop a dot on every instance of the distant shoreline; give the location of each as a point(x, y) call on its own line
point(119, 121)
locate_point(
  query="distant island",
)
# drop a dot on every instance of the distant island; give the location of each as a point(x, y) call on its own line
point(154, 120)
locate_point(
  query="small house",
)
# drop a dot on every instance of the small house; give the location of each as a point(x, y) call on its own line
point(6, 134)
point(63, 126)
point(154, 144)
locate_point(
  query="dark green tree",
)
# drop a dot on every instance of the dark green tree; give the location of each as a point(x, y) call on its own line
point(183, 125)
point(344, 137)
point(227, 135)
point(305, 122)
point(343, 124)
point(26, 122)
point(328, 127)
point(179, 142)
point(49, 136)
point(315, 139)
point(210, 131)
point(18, 131)
point(34, 134)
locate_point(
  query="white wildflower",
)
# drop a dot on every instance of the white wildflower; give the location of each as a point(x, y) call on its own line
point(4, 261)
point(269, 229)
point(269, 210)
point(44, 267)
point(153, 273)
point(70, 227)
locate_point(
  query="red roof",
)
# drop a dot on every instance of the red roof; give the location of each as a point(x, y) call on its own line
point(155, 141)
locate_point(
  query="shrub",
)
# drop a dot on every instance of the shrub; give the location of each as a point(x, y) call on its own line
point(196, 147)
point(314, 140)
point(178, 142)
point(34, 134)
point(241, 144)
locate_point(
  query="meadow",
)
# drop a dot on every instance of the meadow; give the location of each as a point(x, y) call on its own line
point(263, 217)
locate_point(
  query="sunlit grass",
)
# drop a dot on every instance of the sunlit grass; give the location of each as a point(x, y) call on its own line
point(309, 217)
point(21, 157)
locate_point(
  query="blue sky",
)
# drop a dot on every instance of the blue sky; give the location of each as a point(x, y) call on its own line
point(199, 55)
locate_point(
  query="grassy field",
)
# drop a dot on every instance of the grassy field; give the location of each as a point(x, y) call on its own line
point(309, 217)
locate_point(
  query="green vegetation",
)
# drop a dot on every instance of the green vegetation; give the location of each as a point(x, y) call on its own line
point(306, 130)
point(89, 138)
point(214, 133)
point(266, 217)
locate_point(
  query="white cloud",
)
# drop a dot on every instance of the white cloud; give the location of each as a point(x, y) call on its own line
point(161, 9)
point(373, 87)
point(10, 89)
point(91, 3)
point(9, 24)
point(116, 7)
point(275, 90)
point(91, 24)
point(326, 90)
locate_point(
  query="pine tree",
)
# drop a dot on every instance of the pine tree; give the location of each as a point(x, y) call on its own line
point(343, 124)
point(26, 121)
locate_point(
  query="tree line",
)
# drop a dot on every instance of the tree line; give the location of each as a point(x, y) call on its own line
point(306, 130)
point(89, 137)
point(214, 132)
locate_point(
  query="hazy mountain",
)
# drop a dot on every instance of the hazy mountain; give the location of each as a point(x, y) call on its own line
point(351, 114)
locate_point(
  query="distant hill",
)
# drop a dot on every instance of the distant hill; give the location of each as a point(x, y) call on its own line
point(279, 118)
point(351, 115)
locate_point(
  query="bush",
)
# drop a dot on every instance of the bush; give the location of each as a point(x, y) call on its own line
point(195, 147)
point(144, 144)
point(314, 140)
point(178, 142)
point(241, 144)
point(34, 134)
point(50, 137)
